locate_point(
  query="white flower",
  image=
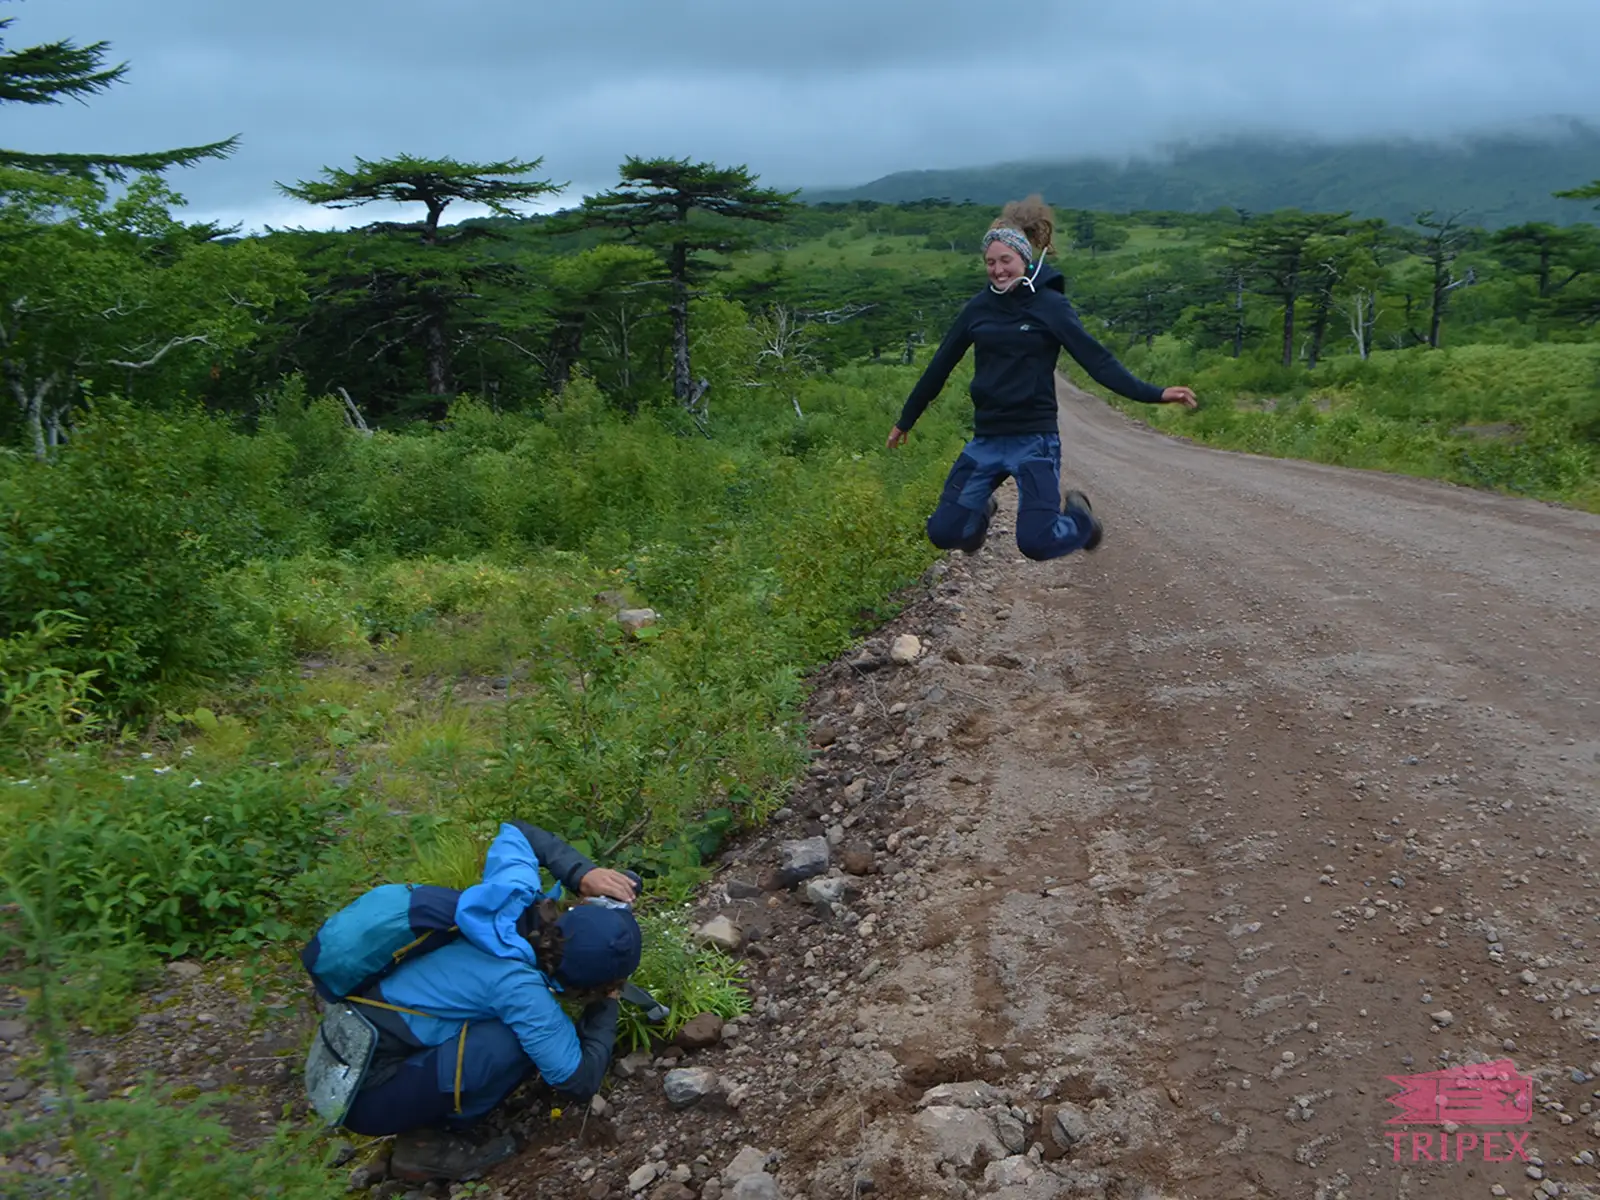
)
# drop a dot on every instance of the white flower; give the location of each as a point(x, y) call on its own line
point(129, 778)
point(161, 770)
point(146, 754)
point(195, 784)
point(187, 751)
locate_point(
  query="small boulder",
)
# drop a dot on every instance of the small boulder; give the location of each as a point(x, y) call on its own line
point(689, 1085)
point(721, 933)
point(1009, 1172)
point(801, 860)
point(960, 1136)
point(612, 600)
point(672, 1189)
point(635, 619)
point(754, 1187)
point(643, 1177)
point(906, 650)
point(701, 1032)
point(826, 892)
point(858, 859)
point(1068, 1126)
point(973, 1094)
point(749, 1161)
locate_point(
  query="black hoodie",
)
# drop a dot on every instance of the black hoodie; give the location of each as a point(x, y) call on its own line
point(1018, 335)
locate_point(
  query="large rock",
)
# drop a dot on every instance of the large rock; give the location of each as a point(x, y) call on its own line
point(749, 1161)
point(960, 1136)
point(721, 933)
point(1013, 1136)
point(801, 860)
point(701, 1032)
point(906, 650)
point(644, 1176)
point(689, 1085)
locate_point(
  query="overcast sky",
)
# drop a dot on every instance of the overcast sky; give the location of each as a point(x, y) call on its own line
point(806, 92)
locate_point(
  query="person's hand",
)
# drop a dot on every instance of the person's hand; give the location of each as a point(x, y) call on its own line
point(897, 438)
point(603, 881)
point(1180, 395)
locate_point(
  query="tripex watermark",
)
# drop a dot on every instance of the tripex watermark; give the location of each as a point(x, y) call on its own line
point(1472, 1094)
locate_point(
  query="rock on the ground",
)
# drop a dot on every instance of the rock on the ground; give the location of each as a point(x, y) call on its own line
point(825, 893)
point(858, 860)
point(906, 650)
point(749, 1161)
point(1011, 1132)
point(959, 1135)
point(689, 1085)
point(701, 1032)
point(1009, 1172)
point(635, 619)
point(754, 1187)
point(673, 1190)
point(801, 860)
point(644, 1176)
point(10, 1031)
point(1068, 1125)
point(722, 933)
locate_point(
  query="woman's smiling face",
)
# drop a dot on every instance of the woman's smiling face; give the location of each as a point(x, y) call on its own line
point(1005, 265)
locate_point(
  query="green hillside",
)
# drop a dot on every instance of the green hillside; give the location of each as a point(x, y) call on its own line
point(1494, 181)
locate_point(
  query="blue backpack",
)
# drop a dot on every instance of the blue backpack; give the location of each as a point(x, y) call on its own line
point(375, 933)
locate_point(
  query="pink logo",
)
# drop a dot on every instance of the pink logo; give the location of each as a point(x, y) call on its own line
point(1471, 1094)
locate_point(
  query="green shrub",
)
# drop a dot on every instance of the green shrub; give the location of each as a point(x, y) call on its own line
point(162, 859)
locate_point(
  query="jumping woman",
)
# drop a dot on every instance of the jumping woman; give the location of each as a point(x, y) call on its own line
point(1019, 324)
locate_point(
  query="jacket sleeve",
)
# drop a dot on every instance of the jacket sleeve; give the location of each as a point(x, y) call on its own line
point(560, 859)
point(571, 1059)
point(1094, 358)
point(944, 361)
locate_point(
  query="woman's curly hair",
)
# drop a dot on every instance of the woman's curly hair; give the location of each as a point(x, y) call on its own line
point(1034, 219)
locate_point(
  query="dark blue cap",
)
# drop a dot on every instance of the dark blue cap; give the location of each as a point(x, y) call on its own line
point(598, 945)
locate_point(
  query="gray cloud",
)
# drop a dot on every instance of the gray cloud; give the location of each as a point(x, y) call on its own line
point(828, 92)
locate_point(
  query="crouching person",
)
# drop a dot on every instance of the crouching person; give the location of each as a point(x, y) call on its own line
point(459, 1028)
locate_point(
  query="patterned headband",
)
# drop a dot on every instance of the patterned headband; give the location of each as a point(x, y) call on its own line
point(1014, 238)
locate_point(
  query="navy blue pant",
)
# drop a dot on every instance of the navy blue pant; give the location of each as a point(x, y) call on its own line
point(1034, 460)
point(422, 1092)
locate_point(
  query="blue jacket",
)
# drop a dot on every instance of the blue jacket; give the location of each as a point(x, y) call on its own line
point(491, 972)
point(1019, 335)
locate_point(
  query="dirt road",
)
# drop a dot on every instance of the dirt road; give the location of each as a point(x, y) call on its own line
point(1289, 788)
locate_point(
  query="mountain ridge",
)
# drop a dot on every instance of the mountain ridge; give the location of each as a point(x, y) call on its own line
point(1491, 179)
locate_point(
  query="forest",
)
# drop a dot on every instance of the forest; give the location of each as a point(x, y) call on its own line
point(312, 544)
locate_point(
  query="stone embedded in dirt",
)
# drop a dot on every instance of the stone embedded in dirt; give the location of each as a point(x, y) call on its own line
point(1443, 1017)
point(598, 1106)
point(631, 1065)
point(10, 1031)
point(1068, 1125)
point(609, 599)
point(1009, 1172)
point(644, 1176)
point(17, 1089)
point(960, 1136)
point(825, 734)
point(801, 860)
point(906, 650)
point(599, 1190)
point(635, 619)
point(689, 1085)
point(754, 1187)
point(974, 1094)
point(749, 1161)
point(858, 859)
point(825, 893)
point(1011, 1132)
point(673, 1190)
point(738, 889)
point(855, 791)
point(720, 932)
point(701, 1032)
point(184, 970)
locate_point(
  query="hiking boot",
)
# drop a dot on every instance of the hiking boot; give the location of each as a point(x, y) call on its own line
point(988, 515)
point(427, 1154)
point(1077, 506)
